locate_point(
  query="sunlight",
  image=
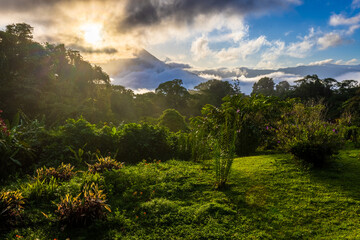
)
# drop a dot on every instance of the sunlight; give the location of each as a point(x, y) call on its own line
point(92, 33)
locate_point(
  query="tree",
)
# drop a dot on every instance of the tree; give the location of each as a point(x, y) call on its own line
point(174, 94)
point(173, 120)
point(314, 88)
point(282, 88)
point(264, 86)
point(213, 91)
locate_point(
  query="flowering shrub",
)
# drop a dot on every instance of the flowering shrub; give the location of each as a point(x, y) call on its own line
point(304, 133)
point(11, 206)
point(88, 206)
point(62, 172)
point(3, 127)
point(105, 164)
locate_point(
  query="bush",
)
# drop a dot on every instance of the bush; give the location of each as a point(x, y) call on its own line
point(64, 172)
point(85, 208)
point(40, 190)
point(305, 134)
point(132, 142)
point(18, 144)
point(105, 164)
point(173, 120)
point(138, 142)
point(11, 206)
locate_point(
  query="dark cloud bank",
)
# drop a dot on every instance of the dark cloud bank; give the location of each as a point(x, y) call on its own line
point(142, 13)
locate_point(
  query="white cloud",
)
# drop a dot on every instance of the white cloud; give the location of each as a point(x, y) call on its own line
point(322, 62)
point(209, 76)
point(352, 29)
point(349, 76)
point(329, 40)
point(143, 90)
point(244, 49)
point(269, 57)
point(340, 19)
point(200, 48)
point(301, 49)
point(352, 61)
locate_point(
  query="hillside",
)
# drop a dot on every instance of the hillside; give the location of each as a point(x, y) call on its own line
point(145, 71)
point(268, 196)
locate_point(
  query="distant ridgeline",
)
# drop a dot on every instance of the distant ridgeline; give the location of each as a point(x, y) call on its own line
point(47, 80)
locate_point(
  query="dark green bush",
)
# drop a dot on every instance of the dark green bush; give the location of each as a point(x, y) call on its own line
point(173, 120)
point(130, 143)
point(19, 144)
point(142, 141)
point(305, 134)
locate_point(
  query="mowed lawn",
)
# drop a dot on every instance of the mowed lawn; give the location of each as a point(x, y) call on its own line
point(267, 197)
point(279, 199)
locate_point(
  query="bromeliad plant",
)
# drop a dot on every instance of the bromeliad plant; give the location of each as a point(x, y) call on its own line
point(63, 172)
point(85, 208)
point(11, 206)
point(105, 164)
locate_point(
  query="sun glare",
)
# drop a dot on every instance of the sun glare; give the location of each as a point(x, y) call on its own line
point(92, 33)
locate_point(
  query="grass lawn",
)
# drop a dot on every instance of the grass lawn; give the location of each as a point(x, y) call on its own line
point(268, 197)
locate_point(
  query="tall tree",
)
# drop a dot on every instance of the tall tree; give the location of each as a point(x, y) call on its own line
point(174, 94)
point(264, 86)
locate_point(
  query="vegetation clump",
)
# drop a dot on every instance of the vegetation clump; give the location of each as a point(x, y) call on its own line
point(305, 134)
point(105, 164)
point(63, 172)
point(83, 209)
point(11, 206)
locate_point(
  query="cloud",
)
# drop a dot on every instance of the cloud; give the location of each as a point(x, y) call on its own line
point(301, 49)
point(340, 19)
point(200, 48)
point(323, 62)
point(136, 23)
point(143, 13)
point(329, 40)
point(352, 61)
point(242, 51)
point(332, 61)
point(349, 76)
point(85, 50)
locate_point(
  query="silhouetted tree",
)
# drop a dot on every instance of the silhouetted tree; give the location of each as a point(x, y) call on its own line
point(264, 86)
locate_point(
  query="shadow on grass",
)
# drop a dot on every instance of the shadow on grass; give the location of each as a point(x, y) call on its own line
point(342, 172)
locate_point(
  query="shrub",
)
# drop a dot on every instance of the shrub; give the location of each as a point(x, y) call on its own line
point(173, 120)
point(305, 134)
point(105, 164)
point(78, 139)
point(132, 142)
point(85, 208)
point(17, 144)
point(41, 189)
point(63, 172)
point(143, 141)
point(11, 206)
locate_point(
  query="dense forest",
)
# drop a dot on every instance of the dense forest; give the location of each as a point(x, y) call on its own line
point(69, 136)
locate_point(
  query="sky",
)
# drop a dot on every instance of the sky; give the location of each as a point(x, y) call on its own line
point(262, 34)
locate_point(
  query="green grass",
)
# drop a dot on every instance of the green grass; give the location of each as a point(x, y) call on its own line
point(267, 197)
